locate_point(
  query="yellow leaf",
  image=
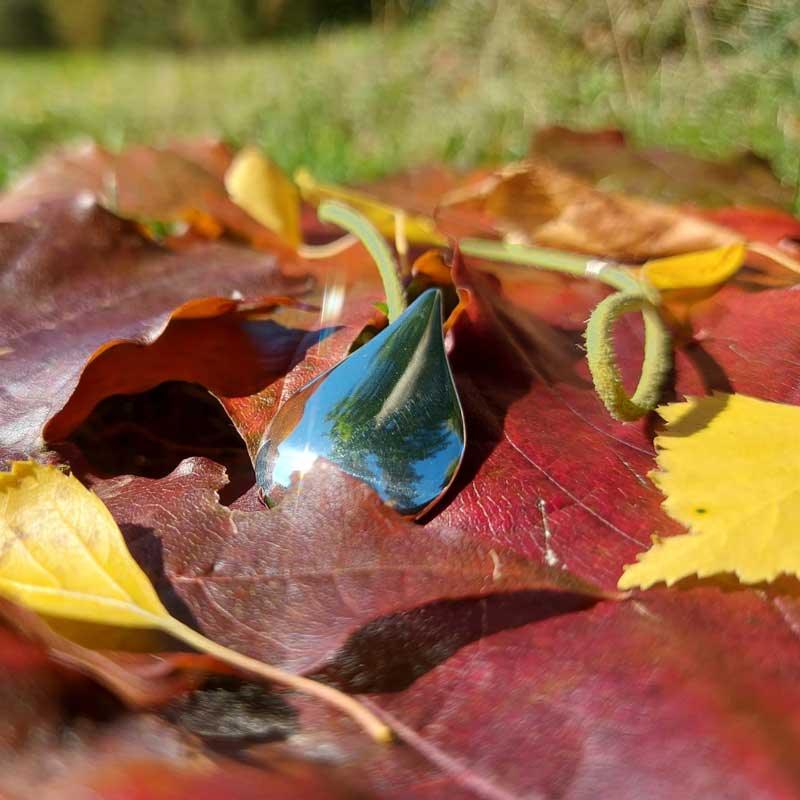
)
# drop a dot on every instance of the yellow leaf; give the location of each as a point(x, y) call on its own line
point(695, 270)
point(730, 470)
point(418, 229)
point(62, 555)
point(258, 185)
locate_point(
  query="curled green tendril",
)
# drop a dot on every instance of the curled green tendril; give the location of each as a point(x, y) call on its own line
point(603, 363)
point(360, 227)
point(631, 296)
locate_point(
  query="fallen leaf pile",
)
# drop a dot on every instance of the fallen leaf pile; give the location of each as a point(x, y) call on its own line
point(160, 305)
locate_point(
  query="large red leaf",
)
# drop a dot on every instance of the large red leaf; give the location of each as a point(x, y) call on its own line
point(547, 472)
point(77, 281)
point(288, 585)
point(674, 694)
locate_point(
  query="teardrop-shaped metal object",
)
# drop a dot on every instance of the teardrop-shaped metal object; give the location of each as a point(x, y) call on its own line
point(389, 414)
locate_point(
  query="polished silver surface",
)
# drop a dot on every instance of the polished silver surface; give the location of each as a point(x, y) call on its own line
point(389, 414)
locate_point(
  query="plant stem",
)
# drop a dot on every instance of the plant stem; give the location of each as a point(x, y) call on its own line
point(603, 363)
point(357, 224)
point(329, 250)
point(371, 724)
point(632, 295)
point(554, 260)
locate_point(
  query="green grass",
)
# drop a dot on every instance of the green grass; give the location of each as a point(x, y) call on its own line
point(358, 103)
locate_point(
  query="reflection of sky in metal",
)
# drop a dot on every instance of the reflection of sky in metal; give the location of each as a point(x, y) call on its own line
point(418, 416)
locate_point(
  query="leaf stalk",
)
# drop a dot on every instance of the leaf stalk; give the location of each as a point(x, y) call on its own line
point(359, 226)
point(632, 295)
point(377, 729)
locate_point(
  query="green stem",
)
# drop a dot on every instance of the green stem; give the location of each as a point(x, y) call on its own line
point(656, 364)
point(554, 260)
point(358, 225)
point(631, 296)
point(330, 250)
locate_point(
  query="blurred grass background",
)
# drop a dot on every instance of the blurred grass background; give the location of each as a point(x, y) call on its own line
point(358, 88)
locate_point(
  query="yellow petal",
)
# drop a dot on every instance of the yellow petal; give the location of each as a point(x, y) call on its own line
point(62, 554)
point(730, 470)
point(418, 229)
point(695, 270)
point(258, 185)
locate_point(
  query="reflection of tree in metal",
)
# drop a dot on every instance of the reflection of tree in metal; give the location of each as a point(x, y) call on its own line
point(389, 414)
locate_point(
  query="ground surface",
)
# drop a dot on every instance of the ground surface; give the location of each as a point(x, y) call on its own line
point(465, 84)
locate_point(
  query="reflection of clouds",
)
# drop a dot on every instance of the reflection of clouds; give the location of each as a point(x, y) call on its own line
point(409, 381)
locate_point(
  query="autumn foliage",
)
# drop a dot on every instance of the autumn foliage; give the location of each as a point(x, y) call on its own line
point(149, 337)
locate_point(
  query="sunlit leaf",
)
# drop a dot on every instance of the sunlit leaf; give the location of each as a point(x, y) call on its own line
point(259, 186)
point(531, 202)
point(730, 468)
point(299, 586)
point(61, 553)
point(418, 230)
point(695, 270)
point(50, 332)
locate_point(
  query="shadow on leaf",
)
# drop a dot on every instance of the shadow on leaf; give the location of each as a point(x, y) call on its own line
point(228, 714)
point(151, 433)
point(389, 654)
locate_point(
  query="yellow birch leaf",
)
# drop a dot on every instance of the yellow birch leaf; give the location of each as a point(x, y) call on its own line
point(695, 270)
point(418, 229)
point(63, 555)
point(730, 470)
point(259, 186)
